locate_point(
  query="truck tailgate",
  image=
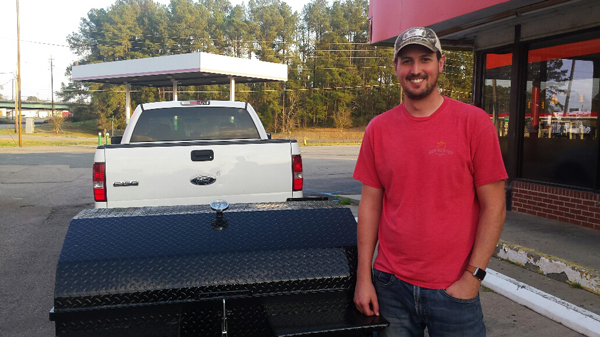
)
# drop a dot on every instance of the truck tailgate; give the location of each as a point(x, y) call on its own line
point(188, 173)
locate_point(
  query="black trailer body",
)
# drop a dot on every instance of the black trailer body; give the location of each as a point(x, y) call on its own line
point(272, 269)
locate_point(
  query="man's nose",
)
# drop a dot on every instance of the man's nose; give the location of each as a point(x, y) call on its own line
point(416, 68)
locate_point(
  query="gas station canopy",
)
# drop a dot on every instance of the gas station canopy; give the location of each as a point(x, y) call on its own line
point(183, 69)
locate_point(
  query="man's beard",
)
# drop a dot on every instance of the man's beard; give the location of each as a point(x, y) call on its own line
point(423, 93)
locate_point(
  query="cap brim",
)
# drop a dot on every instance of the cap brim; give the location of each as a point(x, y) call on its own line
point(424, 44)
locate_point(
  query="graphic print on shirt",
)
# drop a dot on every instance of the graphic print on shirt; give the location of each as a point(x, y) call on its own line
point(441, 150)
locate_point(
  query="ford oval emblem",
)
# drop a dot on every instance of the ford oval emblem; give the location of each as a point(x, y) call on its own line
point(203, 180)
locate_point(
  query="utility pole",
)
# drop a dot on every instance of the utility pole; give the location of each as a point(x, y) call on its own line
point(19, 77)
point(14, 89)
point(52, 83)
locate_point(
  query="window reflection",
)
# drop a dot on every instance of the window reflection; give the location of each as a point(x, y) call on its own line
point(496, 96)
point(561, 114)
point(560, 95)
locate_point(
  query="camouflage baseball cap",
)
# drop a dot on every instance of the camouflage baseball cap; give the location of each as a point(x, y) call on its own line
point(418, 35)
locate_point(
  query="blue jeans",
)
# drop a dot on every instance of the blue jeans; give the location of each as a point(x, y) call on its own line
point(411, 309)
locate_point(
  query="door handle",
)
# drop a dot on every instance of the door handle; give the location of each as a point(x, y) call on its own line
point(203, 155)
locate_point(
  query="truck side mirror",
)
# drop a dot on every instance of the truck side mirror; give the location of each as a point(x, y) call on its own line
point(268, 135)
point(116, 139)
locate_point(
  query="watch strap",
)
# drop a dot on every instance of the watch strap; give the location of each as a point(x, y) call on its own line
point(478, 273)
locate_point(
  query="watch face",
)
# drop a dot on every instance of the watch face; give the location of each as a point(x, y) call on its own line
point(479, 274)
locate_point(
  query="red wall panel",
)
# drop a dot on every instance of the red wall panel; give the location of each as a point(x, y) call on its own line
point(392, 17)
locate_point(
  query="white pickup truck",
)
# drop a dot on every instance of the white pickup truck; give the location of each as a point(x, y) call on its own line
point(192, 152)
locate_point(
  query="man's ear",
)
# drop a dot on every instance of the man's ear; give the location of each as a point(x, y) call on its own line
point(442, 62)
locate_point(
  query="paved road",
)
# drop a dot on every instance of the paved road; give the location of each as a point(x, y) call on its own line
point(40, 193)
point(328, 170)
point(12, 125)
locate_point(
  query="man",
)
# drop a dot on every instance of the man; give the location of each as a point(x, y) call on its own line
point(433, 195)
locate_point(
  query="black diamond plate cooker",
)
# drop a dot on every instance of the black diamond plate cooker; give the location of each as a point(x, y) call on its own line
point(262, 270)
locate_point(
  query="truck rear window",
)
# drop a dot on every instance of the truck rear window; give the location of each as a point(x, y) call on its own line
point(194, 123)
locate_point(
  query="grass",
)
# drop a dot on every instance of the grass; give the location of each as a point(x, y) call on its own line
point(325, 136)
point(71, 133)
point(89, 130)
point(575, 285)
point(344, 201)
point(68, 129)
point(46, 142)
point(85, 129)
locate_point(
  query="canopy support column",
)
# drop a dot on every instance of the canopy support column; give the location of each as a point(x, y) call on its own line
point(127, 102)
point(174, 89)
point(232, 89)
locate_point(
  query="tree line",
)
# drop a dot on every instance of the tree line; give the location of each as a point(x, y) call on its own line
point(335, 77)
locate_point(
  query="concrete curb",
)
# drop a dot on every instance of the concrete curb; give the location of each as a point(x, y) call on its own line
point(565, 313)
point(551, 266)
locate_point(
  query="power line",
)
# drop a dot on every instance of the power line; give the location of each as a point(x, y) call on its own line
point(38, 42)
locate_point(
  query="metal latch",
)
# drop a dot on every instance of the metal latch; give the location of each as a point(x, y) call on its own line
point(220, 206)
point(224, 324)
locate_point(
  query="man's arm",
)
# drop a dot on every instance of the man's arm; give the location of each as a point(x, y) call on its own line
point(369, 212)
point(491, 219)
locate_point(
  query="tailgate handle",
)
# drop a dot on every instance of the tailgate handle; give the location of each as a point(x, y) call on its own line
point(203, 155)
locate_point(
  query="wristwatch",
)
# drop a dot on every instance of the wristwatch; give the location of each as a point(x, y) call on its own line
point(477, 272)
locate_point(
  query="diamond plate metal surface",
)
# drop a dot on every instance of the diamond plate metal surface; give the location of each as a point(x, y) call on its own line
point(121, 269)
point(193, 209)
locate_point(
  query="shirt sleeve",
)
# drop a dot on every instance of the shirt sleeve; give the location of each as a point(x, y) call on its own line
point(488, 166)
point(365, 170)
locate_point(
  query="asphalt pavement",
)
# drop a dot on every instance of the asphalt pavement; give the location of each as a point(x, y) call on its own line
point(554, 261)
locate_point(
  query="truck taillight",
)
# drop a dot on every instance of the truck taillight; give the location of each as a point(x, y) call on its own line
point(297, 171)
point(99, 179)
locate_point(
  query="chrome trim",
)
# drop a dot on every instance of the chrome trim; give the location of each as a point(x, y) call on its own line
point(125, 183)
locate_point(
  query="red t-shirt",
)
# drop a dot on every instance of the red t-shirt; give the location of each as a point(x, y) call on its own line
point(429, 168)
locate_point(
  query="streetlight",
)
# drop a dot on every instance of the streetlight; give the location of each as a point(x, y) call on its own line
point(14, 77)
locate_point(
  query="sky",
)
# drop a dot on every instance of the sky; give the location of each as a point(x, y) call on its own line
point(44, 27)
